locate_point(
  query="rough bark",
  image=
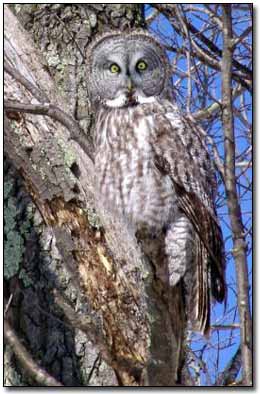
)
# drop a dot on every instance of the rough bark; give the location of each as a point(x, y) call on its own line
point(88, 261)
point(239, 243)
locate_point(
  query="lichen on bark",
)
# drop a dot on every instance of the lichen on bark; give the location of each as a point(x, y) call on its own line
point(61, 32)
point(93, 263)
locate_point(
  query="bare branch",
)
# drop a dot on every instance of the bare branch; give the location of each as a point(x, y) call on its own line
point(57, 114)
point(228, 376)
point(186, 25)
point(225, 327)
point(37, 93)
point(150, 18)
point(245, 33)
point(243, 75)
point(239, 248)
point(215, 107)
point(36, 372)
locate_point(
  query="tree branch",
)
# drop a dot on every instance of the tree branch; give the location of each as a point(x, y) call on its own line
point(36, 372)
point(37, 93)
point(172, 12)
point(228, 376)
point(117, 281)
point(57, 114)
point(239, 243)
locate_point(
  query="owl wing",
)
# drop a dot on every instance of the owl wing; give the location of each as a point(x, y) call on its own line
point(182, 154)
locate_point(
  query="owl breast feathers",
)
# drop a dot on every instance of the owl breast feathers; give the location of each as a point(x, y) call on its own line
point(152, 165)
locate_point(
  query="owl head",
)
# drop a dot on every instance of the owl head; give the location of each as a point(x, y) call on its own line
point(127, 69)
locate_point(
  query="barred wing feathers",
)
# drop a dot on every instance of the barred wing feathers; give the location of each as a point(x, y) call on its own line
point(182, 154)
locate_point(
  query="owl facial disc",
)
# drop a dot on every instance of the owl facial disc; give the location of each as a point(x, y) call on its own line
point(126, 70)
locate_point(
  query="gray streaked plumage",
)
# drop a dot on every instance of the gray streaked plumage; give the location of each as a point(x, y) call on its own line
point(153, 167)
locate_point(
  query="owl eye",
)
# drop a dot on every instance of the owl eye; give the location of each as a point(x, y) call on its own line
point(141, 65)
point(114, 68)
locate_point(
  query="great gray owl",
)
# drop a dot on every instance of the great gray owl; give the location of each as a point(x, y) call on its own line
point(153, 167)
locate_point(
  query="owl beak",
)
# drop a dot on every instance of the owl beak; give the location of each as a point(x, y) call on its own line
point(130, 90)
point(129, 86)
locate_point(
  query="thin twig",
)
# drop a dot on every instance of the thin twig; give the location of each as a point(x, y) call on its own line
point(225, 326)
point(8, 304)
point(234, 208)
point(97, 360)
point(228, 376)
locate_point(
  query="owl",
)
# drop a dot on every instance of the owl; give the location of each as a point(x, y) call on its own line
point(153, 168)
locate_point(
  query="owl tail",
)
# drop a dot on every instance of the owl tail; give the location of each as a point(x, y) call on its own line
point(198, 292)
point(217, 266)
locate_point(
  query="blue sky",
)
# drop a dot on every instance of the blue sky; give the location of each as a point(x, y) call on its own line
point(211, 355)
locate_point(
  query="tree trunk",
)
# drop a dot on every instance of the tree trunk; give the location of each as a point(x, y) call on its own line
point(239, 243)
point(80, 295)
